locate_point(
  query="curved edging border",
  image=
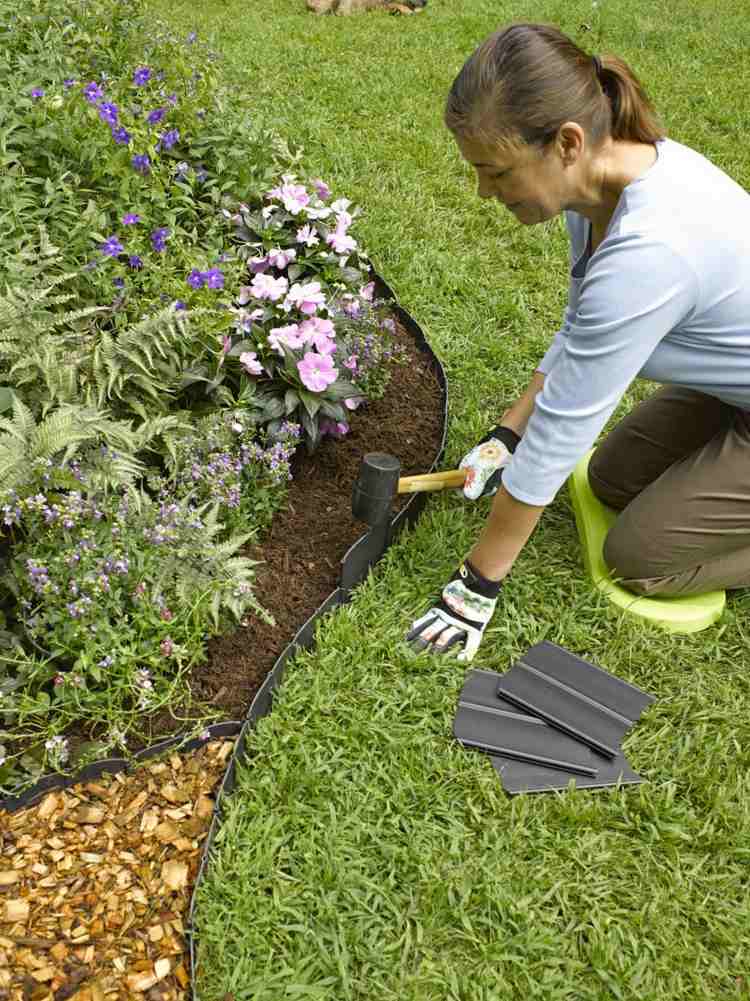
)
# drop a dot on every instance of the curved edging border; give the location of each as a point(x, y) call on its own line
point(354, 567)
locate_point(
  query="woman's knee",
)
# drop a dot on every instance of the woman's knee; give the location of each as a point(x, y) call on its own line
point(605, 482)
point(627, 562)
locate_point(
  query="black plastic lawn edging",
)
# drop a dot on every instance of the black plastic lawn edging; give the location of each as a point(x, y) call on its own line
point(355, 565)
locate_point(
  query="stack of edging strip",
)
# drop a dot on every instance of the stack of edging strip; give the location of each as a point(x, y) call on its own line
point(551, 718)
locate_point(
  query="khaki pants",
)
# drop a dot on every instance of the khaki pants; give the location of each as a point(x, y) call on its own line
point(678, 470)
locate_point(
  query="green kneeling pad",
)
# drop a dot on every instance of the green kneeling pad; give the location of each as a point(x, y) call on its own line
point(593, 519)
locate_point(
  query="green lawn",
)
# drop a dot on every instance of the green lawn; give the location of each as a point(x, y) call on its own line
point(366, 856)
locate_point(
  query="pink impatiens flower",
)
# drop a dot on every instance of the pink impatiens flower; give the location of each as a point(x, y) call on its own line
point(307, 297)
point(320, 334)
point(249, 360)
point(266, 287)
point(367, 291)
point(294, 197)
point(339, 240)
point(291, 336)
point(324, 192)
point(258, 265)
point(316, 371)
point(280, 258)
point(308, 236)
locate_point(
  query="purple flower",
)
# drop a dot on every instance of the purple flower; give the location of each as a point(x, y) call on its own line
point(214, 278)
point(93, 92)
point(118, 282)
point(172, 99)
point(37, 92)
point(192, 37)
point(108, 112)
point(168, 139)
point(121, 136)
point(70, 82)
point(141, 163)
point(130, 219)
point(135, 262)
point(142, 75)
point(112, 247)
point(201, 174)
point(155, 116)
point(179, 304)
point(196, 279)
point(159, 238)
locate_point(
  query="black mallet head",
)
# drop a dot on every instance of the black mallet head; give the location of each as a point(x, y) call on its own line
point(375, 487)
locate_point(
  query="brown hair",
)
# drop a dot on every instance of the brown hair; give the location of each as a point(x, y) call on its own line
point(524, 81)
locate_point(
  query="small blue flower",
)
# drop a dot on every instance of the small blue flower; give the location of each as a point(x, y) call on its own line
point(130, 219)
point(155, 116)
point(112, 247)
point(179, 304)
point(93, 92)
point(159, 238)
point(141, 163)
point(196, 279)
point(135, 262)
point(142, 75)
point(37, 92)
point(192, 37)
point(168, 139)
point(119, 282)
point(214, 278)
point(121, 136)
point(108, 112)
point(70, 82)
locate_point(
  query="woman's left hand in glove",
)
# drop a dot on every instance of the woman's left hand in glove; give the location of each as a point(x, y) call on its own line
point(461, 615)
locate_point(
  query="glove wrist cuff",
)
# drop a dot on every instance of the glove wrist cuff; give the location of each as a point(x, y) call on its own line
point(507, 436)
point(470, 577)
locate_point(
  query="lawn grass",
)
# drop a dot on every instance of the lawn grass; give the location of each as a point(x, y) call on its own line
point(365, 855)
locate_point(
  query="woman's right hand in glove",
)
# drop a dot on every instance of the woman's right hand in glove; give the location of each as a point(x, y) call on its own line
point(484, 463)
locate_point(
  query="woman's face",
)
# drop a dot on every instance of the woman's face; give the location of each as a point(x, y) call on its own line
point(534, 185)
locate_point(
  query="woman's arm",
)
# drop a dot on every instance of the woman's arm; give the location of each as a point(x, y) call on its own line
point(516, 417)
point(508, 527)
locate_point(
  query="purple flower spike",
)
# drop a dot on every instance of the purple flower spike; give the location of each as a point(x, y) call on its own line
point(93, 92)
point(156, 115)
point(196, 279)
point(141, 163)
point(130, 219)
point(135, 262)
point(142, 75)
point(112, 247)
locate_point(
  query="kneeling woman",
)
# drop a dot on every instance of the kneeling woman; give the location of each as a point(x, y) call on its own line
point(659, 288)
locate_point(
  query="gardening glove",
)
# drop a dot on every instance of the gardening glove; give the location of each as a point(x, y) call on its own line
point(484, 463)
point(466, 606)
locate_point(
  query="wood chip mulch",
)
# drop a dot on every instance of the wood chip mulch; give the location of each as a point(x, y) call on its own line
point(96, 881)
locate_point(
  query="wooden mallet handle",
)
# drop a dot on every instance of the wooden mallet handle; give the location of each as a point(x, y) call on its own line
point(432, 481)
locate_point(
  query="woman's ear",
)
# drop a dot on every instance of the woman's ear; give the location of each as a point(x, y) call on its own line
point(570, 142)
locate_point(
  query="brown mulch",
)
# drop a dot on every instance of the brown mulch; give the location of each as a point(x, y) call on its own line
point(95, 883)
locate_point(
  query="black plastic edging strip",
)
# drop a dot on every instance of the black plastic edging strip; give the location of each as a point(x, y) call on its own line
point(520, 777)
point(355, 565)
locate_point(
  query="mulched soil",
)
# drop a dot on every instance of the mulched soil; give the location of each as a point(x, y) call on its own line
point(300, 556)
point(96, 880)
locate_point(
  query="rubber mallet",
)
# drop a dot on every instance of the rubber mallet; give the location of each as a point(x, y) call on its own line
point(379, 481)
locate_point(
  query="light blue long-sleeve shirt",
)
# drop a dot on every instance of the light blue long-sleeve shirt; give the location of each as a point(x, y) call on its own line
point(665, 296)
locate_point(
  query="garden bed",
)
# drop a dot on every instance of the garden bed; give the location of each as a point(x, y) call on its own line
point(300, 557)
